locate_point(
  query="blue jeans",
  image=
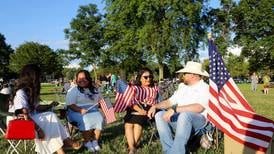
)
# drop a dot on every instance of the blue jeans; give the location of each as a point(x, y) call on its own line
point(182, 124)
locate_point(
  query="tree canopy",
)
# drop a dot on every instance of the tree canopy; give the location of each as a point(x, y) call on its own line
point(5, 51)
point(35, 53)
point(85, 35)
point(254, 30)
point(166, 32)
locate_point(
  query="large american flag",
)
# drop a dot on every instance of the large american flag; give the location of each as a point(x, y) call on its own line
point(107, 109)
point(127, 95)
point(229, 110)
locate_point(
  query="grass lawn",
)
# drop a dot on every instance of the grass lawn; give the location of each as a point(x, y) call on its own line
point(113, 140)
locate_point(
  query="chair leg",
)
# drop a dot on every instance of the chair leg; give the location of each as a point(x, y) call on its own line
point(13, 147)
point(25, 145)
point(153, 131)
point(217, 138)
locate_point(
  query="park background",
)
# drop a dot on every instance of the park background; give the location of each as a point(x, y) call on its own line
point(121, 36)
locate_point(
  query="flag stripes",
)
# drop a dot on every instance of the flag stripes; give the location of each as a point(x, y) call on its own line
point(107, 110)
point(128, 95)
point(146, 95)
point(230, 111)
point(123, 100)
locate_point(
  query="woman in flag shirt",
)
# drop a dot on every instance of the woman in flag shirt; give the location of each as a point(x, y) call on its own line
point(82, 102)
point(138, 99)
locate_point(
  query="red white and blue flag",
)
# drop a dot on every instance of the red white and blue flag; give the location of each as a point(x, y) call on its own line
point(107, 109)
point(229, 110)
point(128, 95)
point(124, 96)
point(146, 95)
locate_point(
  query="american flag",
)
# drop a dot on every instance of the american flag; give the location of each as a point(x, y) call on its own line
point(124, 96)
point(107, 110)
point(229, 110)
point(147, 95)
point(128, 95)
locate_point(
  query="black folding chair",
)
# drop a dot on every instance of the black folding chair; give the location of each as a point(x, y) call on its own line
point(205, 137)
point(71, 126)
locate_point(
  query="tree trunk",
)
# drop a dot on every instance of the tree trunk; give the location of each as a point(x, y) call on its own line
point(95, 73)
point(122, 74)
point(161, 71)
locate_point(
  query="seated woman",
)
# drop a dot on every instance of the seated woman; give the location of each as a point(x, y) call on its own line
point(146, 94)
point(52, 135)
point(82, 102)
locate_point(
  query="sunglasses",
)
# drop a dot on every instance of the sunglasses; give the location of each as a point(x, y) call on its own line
point(147, 77)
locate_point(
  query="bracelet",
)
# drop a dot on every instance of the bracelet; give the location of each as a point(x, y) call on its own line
point(174, 107)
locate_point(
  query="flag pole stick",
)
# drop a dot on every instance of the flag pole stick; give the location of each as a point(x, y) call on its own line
point(92, 106)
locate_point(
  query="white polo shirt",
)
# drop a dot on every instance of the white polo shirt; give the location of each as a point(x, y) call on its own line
point(197, 93)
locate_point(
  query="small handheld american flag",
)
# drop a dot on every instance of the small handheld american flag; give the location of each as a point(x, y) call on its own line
point(107, 109)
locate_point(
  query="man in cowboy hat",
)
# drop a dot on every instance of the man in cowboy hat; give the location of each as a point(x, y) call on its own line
point(185, 110)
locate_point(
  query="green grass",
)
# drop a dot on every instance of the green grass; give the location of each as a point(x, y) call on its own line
point(261, 103)
point(113, 140)
point(50, 92)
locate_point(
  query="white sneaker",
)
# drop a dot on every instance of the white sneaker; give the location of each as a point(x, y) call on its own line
point(95, 145)
point(89, 146)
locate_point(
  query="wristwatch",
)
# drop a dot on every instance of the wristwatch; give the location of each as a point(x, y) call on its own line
point(174, 107)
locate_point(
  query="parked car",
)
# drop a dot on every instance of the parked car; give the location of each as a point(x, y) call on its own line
point(238, 80)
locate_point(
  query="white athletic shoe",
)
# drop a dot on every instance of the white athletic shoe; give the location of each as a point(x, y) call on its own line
point(95, 145)
point(89, 146)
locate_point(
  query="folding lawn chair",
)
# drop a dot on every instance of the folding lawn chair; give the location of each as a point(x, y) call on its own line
point(206, 137)
point(71, 126)
point(15, 145)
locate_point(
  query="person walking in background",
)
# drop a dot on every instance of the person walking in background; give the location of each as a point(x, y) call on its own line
point(266, 83)
point(52, 136)
point(254, 81)
point(82, 102)
point(113, 80)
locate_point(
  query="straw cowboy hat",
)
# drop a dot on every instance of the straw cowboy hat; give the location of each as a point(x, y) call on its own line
point(193, 67)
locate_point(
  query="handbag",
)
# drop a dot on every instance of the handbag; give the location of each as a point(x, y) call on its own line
point(20, 129)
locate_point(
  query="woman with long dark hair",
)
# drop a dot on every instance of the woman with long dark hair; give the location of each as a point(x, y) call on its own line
point(51, 134)
point(82, 102)
point(146, 94)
